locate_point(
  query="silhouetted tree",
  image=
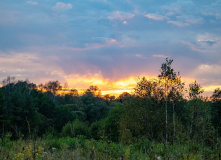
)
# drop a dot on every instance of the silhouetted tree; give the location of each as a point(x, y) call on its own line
point(195, 90)
point(216, 110)
point(74, 92)
point(200, 115)
point(171, 83)
point(149, 89)
point(53, 87)
point(124, 95)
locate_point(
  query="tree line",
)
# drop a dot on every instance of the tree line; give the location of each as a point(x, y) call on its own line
point(157, 111)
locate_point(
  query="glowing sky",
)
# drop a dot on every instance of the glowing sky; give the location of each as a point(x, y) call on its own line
point(109, 42)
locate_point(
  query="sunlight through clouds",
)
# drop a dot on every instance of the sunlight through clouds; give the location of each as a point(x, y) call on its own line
point(114, 39)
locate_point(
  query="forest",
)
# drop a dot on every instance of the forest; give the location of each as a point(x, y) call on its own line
point(156, 121)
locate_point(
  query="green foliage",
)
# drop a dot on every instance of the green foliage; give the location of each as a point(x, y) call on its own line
point(216, 109)
point(95, 108)
point(63, 115)
point(1, 98)
point(97, 130)
point(143, 118)
point(74, 129)
point(78, 110)
point(155, 122)
point(112, 122)
point(3, 113)
point(200, 127)
point(22, 112)
point(148, 89)
point(81, 148)
point(195, 90)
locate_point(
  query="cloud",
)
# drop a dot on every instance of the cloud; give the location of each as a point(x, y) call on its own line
point(118, 39)
point(27, 65)
point(183, 13)
point(120, 15)
point(211, 88)
point(209, 42)
point(31, 2)
point(178, 23)
point(155, 17)
point(62, 6)
point(159, 56)
point(140, 56)
point(84, 81)
point(194, 20)
point(210, 70)
point(179, 6)
point(105, 42)
point(124, 22)
point(126, 83)
point(208, 39)
point(194, 47)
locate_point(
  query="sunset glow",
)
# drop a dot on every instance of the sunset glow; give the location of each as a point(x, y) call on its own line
point(106, 86)
point(211, 88)
point(110, 79)
point(111, 43)
point(118, 87)
point(125, 85)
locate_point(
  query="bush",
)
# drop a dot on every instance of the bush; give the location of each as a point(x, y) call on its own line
point(73, 129)
point(97, 130)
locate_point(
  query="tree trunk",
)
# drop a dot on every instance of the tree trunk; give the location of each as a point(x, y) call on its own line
point(166, 123)
point(191, 125)
point(174, 123)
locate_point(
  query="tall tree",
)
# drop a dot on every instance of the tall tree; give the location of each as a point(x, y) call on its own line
point(216, 109)
point(20, 108)
point(3, 115)
point(199, 114)
point(172, 85)
point(8, 85)
point(195, 90)
point(176, 94)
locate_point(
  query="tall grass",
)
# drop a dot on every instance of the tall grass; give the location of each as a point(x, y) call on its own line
point(51, 148)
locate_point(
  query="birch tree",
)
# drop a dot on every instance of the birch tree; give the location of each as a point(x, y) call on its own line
point(172, 88)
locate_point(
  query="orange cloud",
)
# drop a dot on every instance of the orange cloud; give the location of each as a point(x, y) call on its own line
point(125, 83)
point(84, 82)
point(80, 82)
point(116, 93)
point(211, 87)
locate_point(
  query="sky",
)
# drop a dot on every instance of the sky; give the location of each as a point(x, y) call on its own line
point(110, 43)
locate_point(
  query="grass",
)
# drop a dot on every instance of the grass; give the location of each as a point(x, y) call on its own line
point(51, 148)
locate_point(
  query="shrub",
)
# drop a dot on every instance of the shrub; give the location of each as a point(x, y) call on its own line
point(73, 129)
